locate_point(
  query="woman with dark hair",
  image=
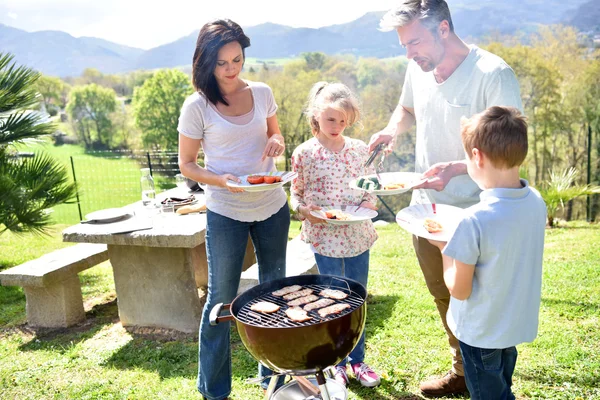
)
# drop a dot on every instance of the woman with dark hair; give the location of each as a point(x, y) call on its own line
point(235, 123)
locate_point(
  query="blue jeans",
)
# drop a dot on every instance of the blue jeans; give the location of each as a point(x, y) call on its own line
point(356, 268)
point(489, 372)
point(226, 241)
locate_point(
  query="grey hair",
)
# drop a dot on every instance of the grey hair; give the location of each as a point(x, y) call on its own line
point(325, 95)
point(429, 12)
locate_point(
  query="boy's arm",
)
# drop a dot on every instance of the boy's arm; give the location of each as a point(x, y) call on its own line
point(458, 276)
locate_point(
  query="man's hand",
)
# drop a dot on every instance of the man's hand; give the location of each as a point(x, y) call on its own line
point(440, 174)
point(385, 136)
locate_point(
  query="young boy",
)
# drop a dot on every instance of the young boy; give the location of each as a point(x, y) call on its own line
point(493, 262)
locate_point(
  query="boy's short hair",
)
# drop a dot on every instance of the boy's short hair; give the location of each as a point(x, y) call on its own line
point(500, 133)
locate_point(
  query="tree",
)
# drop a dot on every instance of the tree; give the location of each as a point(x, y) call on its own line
point(28, 187)
point(90, 107)
point(157, 105)
point(314, 60)
point(562, 188)
point(53, 90)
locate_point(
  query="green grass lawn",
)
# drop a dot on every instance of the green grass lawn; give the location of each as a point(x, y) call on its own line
point(405, 340)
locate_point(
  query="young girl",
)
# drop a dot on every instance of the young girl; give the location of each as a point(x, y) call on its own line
point(325, 165)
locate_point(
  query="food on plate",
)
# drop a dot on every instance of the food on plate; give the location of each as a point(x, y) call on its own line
point(333, 309)
point(333, 294)
point(265, 307)
point(297, 314)
point(394, 186)
point(255, 179)
point(432, 225)
point(303, 300)
point(272, 178)
point(299, 293)
point(318, 304)
point(286, 290)
point(369, 183)
point(200, 206)
point(337, 214)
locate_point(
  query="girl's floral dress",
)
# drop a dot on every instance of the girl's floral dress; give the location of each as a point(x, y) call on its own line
point(323, 178)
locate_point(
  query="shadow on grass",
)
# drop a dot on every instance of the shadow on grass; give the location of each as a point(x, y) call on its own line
point(385, 391)
point(168, 359)
point(63, 339)
point(379, 309)
point(550, 377)
point(573, 308)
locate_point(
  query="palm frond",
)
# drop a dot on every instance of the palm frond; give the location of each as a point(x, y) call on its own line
point(17, 91)
point(29, 188)
point(23, 125)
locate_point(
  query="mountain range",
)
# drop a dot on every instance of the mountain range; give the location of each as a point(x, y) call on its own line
point(60, 54)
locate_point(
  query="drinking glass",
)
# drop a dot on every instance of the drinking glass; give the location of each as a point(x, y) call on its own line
point(180, 180)
point(167, 211)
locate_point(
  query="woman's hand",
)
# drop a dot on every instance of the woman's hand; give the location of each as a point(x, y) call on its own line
point(305, 212)
point(275, 146)
point(228, 177)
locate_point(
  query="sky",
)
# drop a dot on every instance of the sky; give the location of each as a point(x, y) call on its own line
point(150, 23)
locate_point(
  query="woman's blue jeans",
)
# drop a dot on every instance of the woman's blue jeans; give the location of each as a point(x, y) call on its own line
point(226, 241)
point(489, 372)
point(356, 268)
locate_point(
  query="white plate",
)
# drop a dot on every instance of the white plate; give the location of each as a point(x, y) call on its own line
point(108, 215)
point(412, 219)
point(286, 176)
point(358, 214)
point(410, 179)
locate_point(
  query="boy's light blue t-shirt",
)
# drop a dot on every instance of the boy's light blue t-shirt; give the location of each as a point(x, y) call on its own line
point(503, 236)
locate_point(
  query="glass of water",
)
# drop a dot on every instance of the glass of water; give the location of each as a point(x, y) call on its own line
point(167, 211)
point(180, 180)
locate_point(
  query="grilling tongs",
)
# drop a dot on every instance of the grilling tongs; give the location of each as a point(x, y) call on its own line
point(374, 154)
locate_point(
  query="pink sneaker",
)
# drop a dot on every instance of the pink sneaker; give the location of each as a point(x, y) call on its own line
point(341, 376)
point(365, 375)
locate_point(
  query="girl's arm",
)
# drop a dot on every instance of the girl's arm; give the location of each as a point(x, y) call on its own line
point(297, 192)
point(276, 143)
point(188, 165)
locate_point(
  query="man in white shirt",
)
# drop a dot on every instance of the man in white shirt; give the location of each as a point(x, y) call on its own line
point(445, 80)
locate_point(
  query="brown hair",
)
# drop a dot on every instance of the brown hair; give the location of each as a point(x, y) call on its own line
point(211, 38)
point(500, 133)
point(325, 95)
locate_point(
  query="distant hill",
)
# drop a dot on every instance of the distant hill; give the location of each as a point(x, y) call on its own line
point(58, 53)
point(587, 17)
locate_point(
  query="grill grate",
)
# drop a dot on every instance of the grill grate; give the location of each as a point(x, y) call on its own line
point(280, 320)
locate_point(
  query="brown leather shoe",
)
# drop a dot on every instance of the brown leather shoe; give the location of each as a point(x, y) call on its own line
point(449, 384)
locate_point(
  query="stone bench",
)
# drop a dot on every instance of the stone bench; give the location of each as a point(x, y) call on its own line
point(51, 285)
point(300, 260)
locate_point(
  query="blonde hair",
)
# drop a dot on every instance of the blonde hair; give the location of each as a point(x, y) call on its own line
point(325, 95)
point(500, 133)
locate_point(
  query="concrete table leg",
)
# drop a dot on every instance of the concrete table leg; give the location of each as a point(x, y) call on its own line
point(156, 287)
point(56, 306)
point(201, 265)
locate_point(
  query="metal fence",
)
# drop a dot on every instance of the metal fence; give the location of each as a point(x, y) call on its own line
point(108, 179)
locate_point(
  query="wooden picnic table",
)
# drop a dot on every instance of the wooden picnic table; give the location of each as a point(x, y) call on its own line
point(157, 271)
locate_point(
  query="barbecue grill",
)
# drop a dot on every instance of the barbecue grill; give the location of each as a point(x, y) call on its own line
point(298, 348)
